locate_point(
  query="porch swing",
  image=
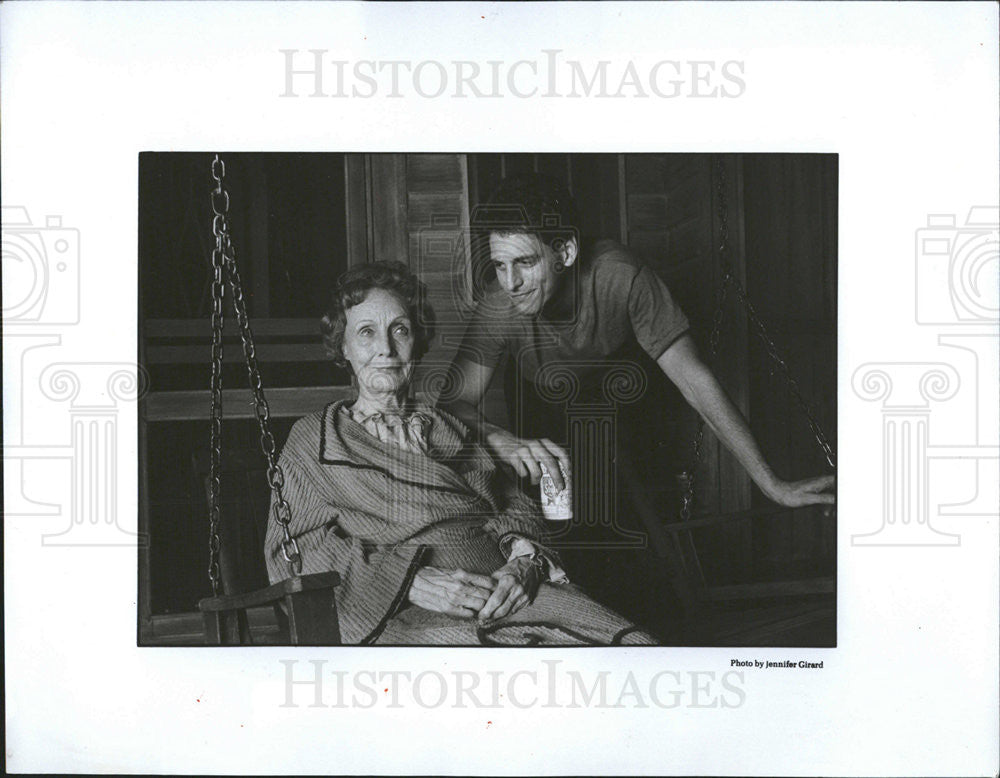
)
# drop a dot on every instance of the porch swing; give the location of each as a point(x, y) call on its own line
point(698, 598)
point(304, 605)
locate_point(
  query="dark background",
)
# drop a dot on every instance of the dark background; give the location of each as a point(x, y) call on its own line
point(299, 220)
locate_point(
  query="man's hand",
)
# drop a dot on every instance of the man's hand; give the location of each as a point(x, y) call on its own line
point(517, 585)
point(455, 592)
point(810, 491)
point(467, 383)
point(682, 365)
point(525, 454)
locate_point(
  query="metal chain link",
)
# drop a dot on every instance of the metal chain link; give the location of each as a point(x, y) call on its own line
point(688, 476)
point(220, 207)
point(772, 352)
point(729, 278)
point(275, 475)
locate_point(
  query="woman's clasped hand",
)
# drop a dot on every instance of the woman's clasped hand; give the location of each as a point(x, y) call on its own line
point(474, 596)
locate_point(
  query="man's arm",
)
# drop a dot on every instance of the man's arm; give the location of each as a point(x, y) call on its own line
point(701, 389)
point(467, 383)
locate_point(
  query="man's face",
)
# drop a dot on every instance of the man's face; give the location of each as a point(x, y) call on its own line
point(526, 269)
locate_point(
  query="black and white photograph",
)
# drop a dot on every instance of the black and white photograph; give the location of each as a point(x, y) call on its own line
point(600, 408)
point(477, 388)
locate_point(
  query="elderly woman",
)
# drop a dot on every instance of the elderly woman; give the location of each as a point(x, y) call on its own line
point(434, 543)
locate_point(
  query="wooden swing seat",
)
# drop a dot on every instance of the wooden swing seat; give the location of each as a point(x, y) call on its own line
point(304, 606)
point(789, 612)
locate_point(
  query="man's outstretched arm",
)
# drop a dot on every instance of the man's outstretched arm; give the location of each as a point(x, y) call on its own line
point(702, 390)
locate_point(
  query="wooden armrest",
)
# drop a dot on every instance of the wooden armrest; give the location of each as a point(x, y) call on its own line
point(273, 593)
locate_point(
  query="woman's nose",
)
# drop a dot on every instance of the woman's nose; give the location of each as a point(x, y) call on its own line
point(385, 345)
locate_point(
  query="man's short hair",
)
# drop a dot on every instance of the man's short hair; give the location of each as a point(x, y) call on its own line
point(534, 204)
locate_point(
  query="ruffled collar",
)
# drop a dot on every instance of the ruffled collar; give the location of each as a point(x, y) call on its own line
point(407, 428)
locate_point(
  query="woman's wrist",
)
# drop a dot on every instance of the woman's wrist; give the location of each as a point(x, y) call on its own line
point(529, 570)
point(533, 566)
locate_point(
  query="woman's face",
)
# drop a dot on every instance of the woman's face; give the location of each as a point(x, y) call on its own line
point(379, 342)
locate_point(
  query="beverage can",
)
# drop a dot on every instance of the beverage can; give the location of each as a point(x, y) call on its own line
point(557, 505)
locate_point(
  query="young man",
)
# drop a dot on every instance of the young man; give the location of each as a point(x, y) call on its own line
point(561, 315)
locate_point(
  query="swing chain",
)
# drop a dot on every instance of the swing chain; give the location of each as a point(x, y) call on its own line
point(687, 478)
point(275, 475)
point(793, 386)
point(220, 209)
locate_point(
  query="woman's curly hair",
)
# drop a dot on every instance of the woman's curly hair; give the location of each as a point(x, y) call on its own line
point(353, 287)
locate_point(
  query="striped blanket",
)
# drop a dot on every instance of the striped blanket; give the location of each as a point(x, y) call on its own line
point(376, 513)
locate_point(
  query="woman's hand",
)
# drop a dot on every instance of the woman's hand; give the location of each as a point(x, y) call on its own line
point(525, 454)
point(517, 584)
point(810, 491)
point(455, 592)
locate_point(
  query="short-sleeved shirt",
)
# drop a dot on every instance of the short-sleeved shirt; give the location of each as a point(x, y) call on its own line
point(618, 300)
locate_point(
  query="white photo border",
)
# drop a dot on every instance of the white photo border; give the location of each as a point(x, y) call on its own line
point(905, 93)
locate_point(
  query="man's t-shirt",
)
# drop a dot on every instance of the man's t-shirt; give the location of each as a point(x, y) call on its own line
point(613, 300)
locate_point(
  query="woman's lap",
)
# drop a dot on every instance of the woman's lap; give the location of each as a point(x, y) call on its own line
point(561, 614)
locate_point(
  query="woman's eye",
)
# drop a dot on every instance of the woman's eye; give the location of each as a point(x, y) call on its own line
point(365, 332)
point(402, 330)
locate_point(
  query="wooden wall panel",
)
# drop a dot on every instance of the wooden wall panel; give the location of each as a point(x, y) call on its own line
point(437, 190)
point(672, 225)
point(387, 233)
point(594, 184)
point(792, 269)
point(356, 196)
